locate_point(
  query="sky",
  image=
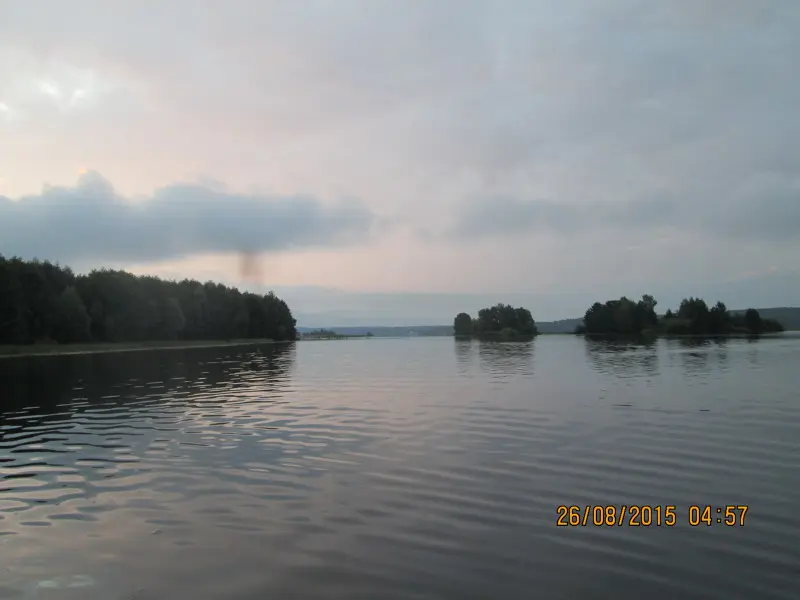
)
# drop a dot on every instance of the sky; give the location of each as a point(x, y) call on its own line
point(397, 161)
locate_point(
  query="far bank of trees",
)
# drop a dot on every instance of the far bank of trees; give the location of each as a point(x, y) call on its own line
point(500, 320)
point(693, 317)
point(623, 316)
point(44, 302)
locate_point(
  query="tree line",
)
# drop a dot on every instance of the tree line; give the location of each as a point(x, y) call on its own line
point(693, 317)
point(44, 302)
point(500, 320)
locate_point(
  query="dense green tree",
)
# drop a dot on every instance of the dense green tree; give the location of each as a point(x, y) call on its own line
point(42, 301)
point(620, 317)
point(624, 317)
point(13, 309)
point(719, 320)
point(173, 319)
point(695, 318)
point(462, 325)
point(71, 322)
point(495, 319)
point(752, 320)
point(695, 311)
point(647, 309)
point(524, 322)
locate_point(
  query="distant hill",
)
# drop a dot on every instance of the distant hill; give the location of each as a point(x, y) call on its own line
point(414, 330)
point(562, 326)
point(789, 317)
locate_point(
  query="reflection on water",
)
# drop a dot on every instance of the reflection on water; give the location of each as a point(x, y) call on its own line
point(466, 349)
point(85, 438)
point(695, 355)
point(702, 357)
point(721, 352)
point(43, 382)
point(498, 360)
point(504, 360)
point(399, 469)
point(623, 358)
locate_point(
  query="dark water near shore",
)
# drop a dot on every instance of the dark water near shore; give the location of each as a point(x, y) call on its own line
point(406, 468)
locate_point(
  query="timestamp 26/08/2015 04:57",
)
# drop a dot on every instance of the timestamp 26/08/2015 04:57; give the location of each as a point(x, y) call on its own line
point(649, 515)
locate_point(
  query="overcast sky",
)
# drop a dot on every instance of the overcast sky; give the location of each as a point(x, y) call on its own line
point(402, 160)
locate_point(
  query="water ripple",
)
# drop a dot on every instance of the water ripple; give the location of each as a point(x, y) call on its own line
point(418, 468)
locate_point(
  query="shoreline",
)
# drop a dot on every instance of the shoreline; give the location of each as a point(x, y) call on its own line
point(21, 351)
point(722, 335)
point(679, 336)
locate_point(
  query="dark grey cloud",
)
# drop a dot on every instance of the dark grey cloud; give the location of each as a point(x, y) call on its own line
point(766, 210)
point(624, 115)
point(92, 222)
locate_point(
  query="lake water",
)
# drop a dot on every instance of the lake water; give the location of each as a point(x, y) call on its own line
point(400, 468)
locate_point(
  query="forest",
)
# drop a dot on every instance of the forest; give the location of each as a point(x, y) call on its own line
point(500, 320)
point(42, 302)
point(693, 317)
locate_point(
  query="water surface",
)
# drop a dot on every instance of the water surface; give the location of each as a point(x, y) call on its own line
point(400, 468)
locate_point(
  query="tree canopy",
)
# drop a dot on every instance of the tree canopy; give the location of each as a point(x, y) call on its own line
point(41, 301)
point(694, 317)
point(500, 319)
point(621, 317)
point(624, 317)
point(462, 324)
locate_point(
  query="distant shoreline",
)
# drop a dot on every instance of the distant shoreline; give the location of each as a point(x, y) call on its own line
point(682, 336)
point(11, 351)
point(711, 336)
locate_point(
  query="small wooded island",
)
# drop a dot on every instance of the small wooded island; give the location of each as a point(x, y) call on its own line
point(501, 321)
point(43, 303)
point(625, 317)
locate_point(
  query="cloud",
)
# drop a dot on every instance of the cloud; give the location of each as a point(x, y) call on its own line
point(764, 208)
point(323, 308)
point(561, 134)
point(92, 222)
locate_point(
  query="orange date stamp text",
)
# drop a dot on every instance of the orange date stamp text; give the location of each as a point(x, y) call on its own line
point(649, 515)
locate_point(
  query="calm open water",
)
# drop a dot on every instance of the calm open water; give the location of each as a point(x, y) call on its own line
point(400, 468)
